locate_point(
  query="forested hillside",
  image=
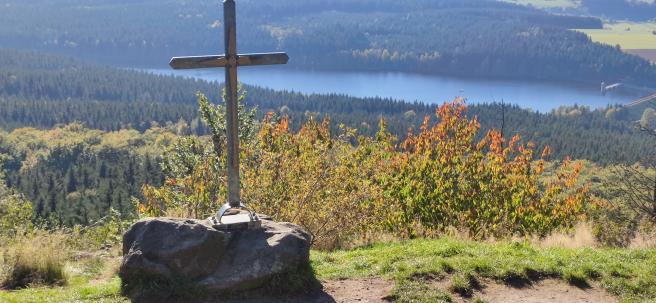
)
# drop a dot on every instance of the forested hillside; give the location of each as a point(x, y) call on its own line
point(75, 173)
point(49, 90)
point(449, 37)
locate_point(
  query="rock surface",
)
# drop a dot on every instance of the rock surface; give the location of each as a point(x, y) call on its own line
point(193, 253)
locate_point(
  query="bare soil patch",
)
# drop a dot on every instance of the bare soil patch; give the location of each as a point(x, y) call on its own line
point(362, 290)
point(545, 291)
point(369, 290)
point(649, 54)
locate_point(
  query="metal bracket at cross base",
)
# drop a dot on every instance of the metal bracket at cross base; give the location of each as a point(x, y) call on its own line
point(235, 218)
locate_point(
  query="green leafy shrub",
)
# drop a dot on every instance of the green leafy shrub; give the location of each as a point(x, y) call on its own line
point(15, 215)
point(104, 233)
point(613, 226)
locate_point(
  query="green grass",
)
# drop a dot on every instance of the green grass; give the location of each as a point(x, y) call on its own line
point(548, 3)
point(416, 291)
point(640, 35)
point(85, 284)
point(630, 274)
point(78, 290)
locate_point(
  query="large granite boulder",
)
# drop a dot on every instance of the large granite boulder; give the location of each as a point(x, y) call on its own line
point(173, 252)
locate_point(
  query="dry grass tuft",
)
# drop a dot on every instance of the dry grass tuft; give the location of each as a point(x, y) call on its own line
point(581, 237)
point(643, 241)
point(645, 236)
point(38, 259)
point(4, 269)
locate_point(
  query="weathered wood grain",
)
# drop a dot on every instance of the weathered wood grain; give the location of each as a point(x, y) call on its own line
point(198, 62)
point(214, 61)
point(263, 59)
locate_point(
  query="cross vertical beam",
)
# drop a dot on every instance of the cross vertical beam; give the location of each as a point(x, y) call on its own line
point(232, 118)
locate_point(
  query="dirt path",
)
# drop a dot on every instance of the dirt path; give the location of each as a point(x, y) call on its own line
point(374, 290)
point(545, 292)
point(363, 290)
point(339, 291)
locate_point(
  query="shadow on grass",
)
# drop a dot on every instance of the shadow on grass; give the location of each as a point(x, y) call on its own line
point(529, 277)
point(577, 280)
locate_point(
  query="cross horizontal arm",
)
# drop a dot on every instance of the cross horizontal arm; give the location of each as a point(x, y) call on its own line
point(262, 59)
point(220, 60)
point(198, 62)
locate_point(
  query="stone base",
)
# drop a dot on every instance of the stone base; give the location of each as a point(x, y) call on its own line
point(178, 257)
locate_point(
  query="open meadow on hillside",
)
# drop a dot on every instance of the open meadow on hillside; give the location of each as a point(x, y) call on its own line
point(637, 38)
point(628, 35)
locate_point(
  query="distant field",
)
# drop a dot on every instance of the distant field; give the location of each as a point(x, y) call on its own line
point(634, 38)
point(628, 35)
point(548, 3)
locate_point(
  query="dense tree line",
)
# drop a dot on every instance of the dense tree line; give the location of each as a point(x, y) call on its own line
point(35, 75)
point(452, 37)
point(17, 112)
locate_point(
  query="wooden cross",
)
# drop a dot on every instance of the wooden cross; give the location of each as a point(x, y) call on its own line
point(230, 61)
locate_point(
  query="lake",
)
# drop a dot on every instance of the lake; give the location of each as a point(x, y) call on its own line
point(413, 87)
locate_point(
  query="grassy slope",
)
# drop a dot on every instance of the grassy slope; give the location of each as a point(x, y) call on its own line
point(627, 273)
point(640, 36)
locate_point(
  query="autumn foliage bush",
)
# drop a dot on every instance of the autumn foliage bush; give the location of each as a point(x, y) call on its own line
point(330, 193)
point(340, 186)
point(444, 177)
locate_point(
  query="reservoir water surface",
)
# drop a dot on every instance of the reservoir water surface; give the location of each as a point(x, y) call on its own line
point(414, 87)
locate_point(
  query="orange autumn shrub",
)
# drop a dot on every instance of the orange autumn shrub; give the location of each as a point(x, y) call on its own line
point(444, 178)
